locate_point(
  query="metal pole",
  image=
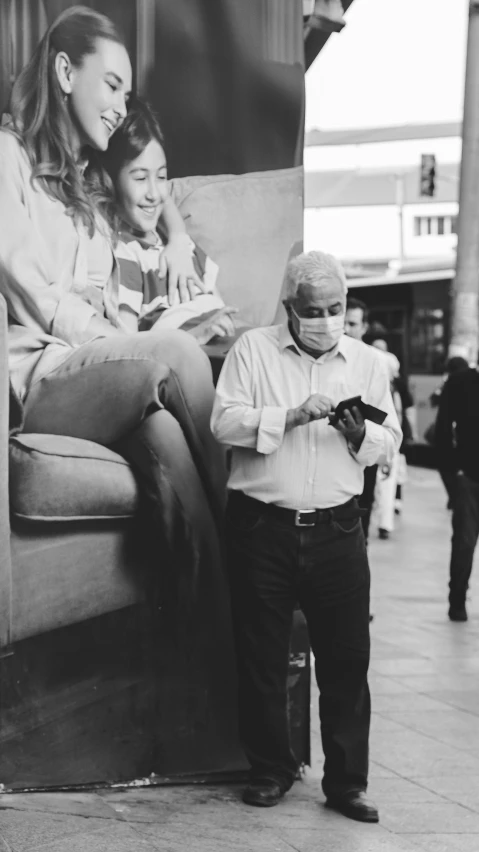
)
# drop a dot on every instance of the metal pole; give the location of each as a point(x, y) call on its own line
point(464, 294)
point(400, 209)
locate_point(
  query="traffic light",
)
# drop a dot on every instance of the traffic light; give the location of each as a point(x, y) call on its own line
point(428, 175)
point(326, 15)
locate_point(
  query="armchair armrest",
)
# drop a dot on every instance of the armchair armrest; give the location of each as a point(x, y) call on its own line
point(5, 552)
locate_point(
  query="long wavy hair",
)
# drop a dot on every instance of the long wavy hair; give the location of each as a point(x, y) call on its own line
point(40, 114)
point(138, 129)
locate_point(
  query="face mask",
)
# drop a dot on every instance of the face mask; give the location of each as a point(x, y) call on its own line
point(321, 333)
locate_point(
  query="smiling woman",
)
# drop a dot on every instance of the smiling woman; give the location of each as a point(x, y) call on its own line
point(67, 96)
point(96, 92)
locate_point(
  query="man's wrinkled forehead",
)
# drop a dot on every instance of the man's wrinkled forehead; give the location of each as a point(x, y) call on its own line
point(324, 293)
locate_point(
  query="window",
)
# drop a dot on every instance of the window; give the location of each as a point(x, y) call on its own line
point(435, 226)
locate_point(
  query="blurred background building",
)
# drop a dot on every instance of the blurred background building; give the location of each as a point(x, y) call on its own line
point(382, 161)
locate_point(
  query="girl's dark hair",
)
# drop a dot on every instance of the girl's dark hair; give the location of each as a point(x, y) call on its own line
point(40, 115)
point(127, 143)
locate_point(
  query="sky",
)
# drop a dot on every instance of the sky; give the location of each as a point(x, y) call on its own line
point(395, 62)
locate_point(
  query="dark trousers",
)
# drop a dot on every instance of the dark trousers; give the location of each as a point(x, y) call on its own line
point(465, 531)
point(273, 566)
point(366, 500)
point(149, 396)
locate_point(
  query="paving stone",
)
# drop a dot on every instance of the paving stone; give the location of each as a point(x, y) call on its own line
point(430, 818)
point(384, 725)
point(462, 700)
point(383, 791)
point(27, 830)
point(406, 702)
point(162, 805)
point(411, 754)
point(461, 789)
point(81, 804)
point(361, 838)
point(450, 726)
point(445, 842)
point(385, 685)
point(441, 681)
point(213, 838)
point(116, 837)
point(399, 668)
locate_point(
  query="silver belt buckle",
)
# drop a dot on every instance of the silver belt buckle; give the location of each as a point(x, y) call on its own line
point(297, 518)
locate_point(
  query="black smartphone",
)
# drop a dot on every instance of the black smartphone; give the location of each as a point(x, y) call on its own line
point(369, 412)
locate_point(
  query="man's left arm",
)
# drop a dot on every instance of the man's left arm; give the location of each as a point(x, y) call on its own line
point(368, 442)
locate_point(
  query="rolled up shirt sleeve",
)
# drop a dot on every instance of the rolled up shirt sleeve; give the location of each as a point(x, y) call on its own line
point(27, 282)
point(235, 420)
point(379, 442)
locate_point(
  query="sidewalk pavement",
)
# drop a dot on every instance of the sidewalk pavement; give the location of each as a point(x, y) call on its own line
point(424, 739)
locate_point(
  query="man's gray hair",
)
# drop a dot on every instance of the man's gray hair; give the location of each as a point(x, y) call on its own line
point(315, 268)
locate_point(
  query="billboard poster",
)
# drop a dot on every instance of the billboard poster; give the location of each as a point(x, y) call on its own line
point(98, 684)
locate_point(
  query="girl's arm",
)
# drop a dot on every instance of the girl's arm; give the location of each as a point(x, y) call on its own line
point(176, 261)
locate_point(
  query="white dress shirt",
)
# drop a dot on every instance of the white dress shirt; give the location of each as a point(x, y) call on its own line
point(312, 466)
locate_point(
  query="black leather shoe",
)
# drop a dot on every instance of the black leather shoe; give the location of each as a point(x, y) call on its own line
point(263, 794)
point(355, 805)
point(458, 613)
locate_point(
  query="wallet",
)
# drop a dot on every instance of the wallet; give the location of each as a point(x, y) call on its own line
point(369, 412)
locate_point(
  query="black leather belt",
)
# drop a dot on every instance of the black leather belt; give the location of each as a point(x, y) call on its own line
point(296, 517)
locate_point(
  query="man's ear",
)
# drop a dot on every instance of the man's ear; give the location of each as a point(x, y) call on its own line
point(64, 70)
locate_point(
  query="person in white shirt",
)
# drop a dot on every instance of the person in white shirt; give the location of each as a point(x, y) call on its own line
point(294, 532)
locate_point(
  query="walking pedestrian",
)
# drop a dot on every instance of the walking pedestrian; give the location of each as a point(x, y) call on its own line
point(457, 427)
point(454, 365)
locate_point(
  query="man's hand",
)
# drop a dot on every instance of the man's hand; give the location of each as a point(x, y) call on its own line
point(316, 407)
point(352, 426)
point(176, 262)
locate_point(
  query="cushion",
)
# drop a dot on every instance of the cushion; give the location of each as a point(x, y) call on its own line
point(56, 478)
point(249, 225)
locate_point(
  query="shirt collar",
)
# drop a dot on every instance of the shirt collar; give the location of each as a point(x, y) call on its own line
point(148, 240)
point(286, 341)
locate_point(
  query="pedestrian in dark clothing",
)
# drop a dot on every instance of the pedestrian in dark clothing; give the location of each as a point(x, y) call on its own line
point(457, 427)
point(454, 365)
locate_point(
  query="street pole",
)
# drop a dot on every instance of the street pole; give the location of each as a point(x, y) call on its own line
point(400, 208)
point(465, 287)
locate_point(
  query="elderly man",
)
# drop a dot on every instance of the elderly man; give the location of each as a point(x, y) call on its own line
point(293, 527)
